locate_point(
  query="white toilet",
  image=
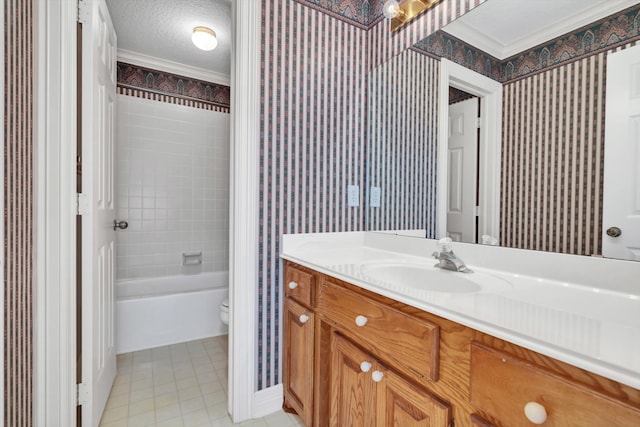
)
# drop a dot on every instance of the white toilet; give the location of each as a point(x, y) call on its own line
point(224, 311)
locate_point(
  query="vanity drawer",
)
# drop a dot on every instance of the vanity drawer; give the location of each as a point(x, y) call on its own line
point(502, 384)
point(298, 284)
point(405, 342)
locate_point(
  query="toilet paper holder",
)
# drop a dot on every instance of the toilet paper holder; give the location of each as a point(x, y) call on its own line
point(191, 258)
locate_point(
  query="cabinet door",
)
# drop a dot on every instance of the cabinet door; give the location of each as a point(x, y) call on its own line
point(352, 389)
point(400, 404)
point(298, 359)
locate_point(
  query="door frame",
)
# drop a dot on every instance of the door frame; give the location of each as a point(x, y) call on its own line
point(2, 254)
point(490, 93)
point(244, 197)
point(55, 123)
point(54, 324)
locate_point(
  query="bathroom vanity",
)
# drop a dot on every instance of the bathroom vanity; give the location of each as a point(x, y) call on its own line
point(374, 337)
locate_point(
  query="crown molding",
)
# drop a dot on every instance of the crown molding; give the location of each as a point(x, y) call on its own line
point(541, 35)
point(159, 64)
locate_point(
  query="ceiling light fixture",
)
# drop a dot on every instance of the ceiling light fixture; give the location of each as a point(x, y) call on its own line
point(204, 38)
point(401, 14)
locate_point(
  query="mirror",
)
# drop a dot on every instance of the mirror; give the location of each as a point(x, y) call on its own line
point(536, 181)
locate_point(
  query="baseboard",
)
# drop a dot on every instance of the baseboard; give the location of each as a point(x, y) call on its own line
point(267, 401)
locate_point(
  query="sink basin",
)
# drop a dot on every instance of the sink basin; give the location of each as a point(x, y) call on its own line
point(423, 277)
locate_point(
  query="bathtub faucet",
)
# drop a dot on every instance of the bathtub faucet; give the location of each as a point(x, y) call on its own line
point(447, 260)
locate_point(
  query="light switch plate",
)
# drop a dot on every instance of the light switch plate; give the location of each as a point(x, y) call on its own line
point(353, 195)
point(374, 197)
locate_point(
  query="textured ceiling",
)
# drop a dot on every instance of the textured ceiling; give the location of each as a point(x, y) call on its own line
point(162, 29)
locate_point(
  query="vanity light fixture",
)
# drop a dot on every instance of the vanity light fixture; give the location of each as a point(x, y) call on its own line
point(204, 38)
point(401, 14)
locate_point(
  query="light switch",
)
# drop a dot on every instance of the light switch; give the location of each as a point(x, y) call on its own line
point(354, 195)
point(374, 197)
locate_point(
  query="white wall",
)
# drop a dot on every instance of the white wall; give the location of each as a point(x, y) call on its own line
point(172, 187)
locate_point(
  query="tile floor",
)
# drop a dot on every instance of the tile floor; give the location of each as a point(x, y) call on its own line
point(180, 385)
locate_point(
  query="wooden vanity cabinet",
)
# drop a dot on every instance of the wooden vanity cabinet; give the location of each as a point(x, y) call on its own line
point(299, 337)
point(353, 392)
point(401, 340)
point(365, 393)
point(429, 371)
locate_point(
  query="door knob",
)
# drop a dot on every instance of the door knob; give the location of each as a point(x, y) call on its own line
point(122, 225)
point(303, 318)
point(614, 232)
point(293, 285)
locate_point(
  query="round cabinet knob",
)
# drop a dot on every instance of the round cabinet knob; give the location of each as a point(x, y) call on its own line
point(377, 376)
point(361, 321)
point(365, 366)
point(535, 412)
point(293, 285)
point(304, 318)
point(614, 232)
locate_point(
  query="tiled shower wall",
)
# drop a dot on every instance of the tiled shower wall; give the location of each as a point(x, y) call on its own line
point(172, 182)
point(18, 213)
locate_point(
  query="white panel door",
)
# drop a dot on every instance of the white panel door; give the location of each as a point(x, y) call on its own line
point(462, 163)
point(98, 257)
point(621, 207)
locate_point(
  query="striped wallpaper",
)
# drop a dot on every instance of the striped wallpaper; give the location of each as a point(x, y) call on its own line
point(552, 158)
point(402, 150)
point(383, 45)
point(162, 86)
point(314, 133)
point(313, 137)
point(18, 214)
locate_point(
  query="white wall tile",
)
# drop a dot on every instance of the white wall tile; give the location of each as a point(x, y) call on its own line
point(173, 187)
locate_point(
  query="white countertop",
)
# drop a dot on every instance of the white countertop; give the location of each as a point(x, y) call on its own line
point(584, 311)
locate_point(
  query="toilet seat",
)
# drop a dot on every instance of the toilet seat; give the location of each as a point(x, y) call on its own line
point(224, 311)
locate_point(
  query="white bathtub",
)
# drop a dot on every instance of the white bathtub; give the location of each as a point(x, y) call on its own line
point(168, 310)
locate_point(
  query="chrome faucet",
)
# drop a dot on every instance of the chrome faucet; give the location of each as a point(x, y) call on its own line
point(447, 260)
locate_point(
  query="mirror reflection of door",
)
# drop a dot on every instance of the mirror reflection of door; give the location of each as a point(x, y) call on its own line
point(621, 204)
point(462, 197)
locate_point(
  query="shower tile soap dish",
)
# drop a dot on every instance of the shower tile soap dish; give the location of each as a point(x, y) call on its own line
point(191, 258)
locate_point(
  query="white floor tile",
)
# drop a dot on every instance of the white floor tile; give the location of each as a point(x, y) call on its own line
point(181, 385)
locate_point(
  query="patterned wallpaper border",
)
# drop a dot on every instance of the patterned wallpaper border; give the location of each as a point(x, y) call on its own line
point(607, 33)
point(382, 45)
point(361, 13)
point(443, 45)
point(162, 86)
